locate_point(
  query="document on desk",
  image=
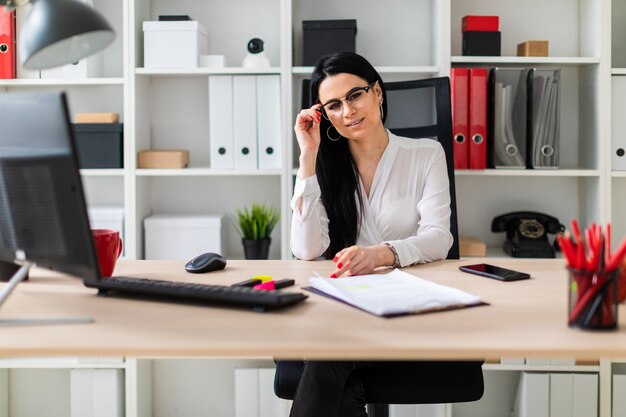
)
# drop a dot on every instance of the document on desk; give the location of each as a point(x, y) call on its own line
point(393, 294)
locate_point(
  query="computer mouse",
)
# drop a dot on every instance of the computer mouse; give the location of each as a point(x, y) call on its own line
point(206, 262)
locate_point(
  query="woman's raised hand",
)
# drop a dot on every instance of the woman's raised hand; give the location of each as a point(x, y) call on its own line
point(307, 130)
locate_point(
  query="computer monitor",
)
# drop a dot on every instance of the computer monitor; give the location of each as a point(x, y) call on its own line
point(43, 218)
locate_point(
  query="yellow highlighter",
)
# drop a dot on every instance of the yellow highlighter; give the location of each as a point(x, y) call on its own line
point(263, 278)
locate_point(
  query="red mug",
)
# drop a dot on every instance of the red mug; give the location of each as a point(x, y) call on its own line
point(108, 248)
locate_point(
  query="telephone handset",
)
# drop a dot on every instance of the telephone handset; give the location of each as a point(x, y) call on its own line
point(527, 233)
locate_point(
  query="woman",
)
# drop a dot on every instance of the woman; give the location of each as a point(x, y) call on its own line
point(362, 193)
point(364, 198)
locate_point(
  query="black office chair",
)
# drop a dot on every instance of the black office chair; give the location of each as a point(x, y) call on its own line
point(414, 382)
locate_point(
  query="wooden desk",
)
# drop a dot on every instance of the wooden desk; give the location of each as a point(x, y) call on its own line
point(525, 318)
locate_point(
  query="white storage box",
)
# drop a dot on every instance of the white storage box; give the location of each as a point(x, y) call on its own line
point(173, 44)
point(182, 236)
point(107, 218)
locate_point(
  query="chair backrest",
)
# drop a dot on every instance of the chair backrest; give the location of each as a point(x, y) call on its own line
point(421, 109)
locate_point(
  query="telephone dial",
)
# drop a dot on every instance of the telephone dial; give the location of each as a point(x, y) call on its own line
point(527, 233)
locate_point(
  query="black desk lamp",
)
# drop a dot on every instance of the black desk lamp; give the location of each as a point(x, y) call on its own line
point(58, 32)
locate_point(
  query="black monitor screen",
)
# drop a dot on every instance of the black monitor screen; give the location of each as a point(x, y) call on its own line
point(43, 218)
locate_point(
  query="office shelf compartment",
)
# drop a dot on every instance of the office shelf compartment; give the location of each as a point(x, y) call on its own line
point(573, 28)
point(173, 113)
point(229, 28)
point(104, 190)
point(192, 387)
point(219, 196)
point(569, 200)
point(112, 61)
point(402, 35)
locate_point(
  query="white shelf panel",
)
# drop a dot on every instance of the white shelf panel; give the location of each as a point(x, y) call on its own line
point(618, 174)
point(523, 60)
point(102, 172)
point(164, 72)
point(381, 70)
point(61, 363)
point(206, 172)
point(35, 82)
point(527, 173)
point(618, 71)
point(540, 368)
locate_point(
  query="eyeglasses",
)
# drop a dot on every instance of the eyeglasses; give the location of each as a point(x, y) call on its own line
point(355, 98)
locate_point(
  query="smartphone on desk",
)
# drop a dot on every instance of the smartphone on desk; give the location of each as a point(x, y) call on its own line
point(495, 272)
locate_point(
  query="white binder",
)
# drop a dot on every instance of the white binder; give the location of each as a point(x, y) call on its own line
point(97, 393)
point(618, 124)
point(246, 393)
point(561, 395)
point(268, 121)
point(221, 122)
point(533, 395)
point(585, 395)
point(619, 400)
point(244, 93)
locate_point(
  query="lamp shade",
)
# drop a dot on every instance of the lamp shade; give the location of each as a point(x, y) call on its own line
point(58, 32)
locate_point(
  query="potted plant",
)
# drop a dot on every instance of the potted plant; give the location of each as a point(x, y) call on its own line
point(255, 225)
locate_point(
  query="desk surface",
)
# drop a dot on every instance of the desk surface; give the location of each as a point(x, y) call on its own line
point(524, 318)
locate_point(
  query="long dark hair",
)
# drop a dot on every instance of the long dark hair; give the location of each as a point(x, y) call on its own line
point(335, 169)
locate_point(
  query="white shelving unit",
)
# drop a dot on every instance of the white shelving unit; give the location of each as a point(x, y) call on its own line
point(168, 108)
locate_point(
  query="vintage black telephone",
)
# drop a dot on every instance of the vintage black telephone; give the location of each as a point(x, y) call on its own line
point(527, 233)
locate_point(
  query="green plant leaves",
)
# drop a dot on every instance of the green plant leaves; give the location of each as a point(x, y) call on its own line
point(258, 222)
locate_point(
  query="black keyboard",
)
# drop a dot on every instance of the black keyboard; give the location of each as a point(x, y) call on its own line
point(260, 300)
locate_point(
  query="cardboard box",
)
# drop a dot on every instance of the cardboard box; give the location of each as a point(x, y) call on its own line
point(163, 159)
point(99, 145)
point(470, 246)
point(173, 44)
point(97, 117)
point(182, 236)
point(533, 48)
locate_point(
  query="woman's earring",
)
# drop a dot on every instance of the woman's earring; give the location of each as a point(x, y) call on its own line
point(328, 134)
point(382, 113)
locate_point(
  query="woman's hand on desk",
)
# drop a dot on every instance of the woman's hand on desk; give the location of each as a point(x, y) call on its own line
point(361, 260)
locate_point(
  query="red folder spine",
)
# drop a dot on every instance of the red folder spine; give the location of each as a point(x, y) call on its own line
point(7, 44)
point(478, 118)
point(480, 24)
point(459, 88)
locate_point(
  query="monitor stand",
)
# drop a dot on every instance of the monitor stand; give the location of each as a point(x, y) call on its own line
point(8, 288)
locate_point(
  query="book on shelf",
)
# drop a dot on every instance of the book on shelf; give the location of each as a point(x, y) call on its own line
point(393, 294)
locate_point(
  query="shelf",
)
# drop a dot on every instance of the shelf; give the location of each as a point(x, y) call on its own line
point(62, 363)
point(618, 71)
point(207, 172)
point(35, 82)
point(102, 172)
point(618, 174)
point(523, 60)
point(165, 72)
point(541, 368)
point(381, 70)
point(527, 173)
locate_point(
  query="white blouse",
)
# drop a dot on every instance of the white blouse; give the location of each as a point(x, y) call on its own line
point(408, 206)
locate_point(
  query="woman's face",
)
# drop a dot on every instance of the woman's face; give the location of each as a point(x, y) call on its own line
point(351, 104)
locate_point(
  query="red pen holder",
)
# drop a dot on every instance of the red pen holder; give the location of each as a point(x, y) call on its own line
point(593, 299)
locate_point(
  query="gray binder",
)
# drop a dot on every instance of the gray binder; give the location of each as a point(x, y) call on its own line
point(543, 118)
point(508, 94)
